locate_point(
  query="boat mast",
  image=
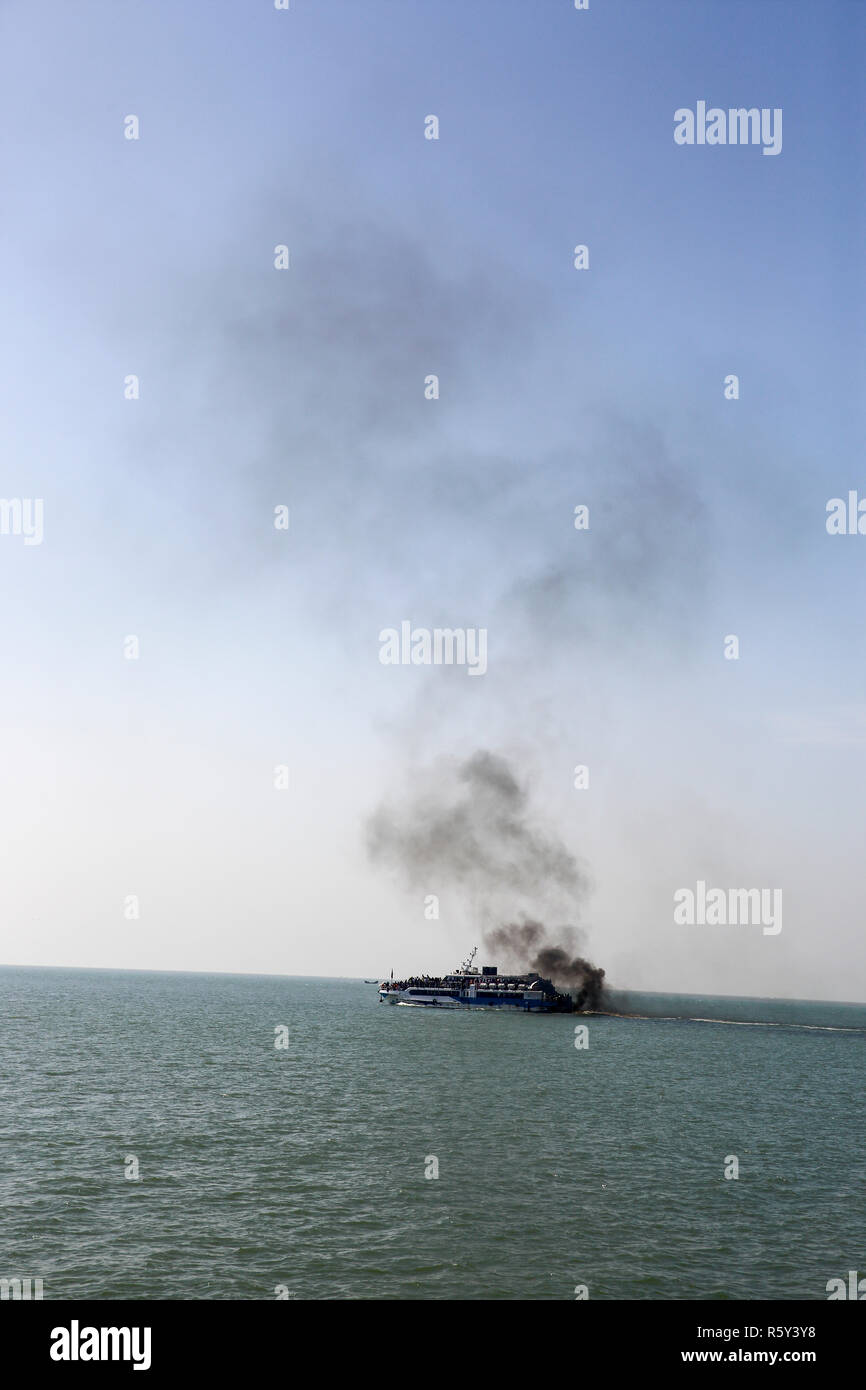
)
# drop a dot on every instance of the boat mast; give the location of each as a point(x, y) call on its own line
point(466, 967)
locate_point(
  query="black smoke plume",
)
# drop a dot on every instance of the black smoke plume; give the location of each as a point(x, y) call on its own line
point(527, 942)
point(468, 828)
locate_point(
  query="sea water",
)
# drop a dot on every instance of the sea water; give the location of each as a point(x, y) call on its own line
point(171, 1136)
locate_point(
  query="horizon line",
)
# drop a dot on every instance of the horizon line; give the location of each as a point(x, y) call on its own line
point(269, 975)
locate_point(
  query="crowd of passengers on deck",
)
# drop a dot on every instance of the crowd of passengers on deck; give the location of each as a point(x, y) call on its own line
point(434, 982)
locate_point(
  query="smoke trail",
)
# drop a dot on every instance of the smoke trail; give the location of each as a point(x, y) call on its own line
point(471, 826)
point(527, 942)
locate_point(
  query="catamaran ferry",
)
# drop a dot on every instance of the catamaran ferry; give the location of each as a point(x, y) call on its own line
point(471, 988)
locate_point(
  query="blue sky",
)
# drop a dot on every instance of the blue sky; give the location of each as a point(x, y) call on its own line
point(305, 387)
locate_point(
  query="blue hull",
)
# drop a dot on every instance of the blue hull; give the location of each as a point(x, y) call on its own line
point(420, 1000)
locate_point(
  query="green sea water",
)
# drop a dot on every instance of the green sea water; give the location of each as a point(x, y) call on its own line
point(157, 1144)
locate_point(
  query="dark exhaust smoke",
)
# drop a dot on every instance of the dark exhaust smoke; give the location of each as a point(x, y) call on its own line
point(467, 829)
point(526, 944)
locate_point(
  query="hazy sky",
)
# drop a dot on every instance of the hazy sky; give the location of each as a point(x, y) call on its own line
point(259, 648)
